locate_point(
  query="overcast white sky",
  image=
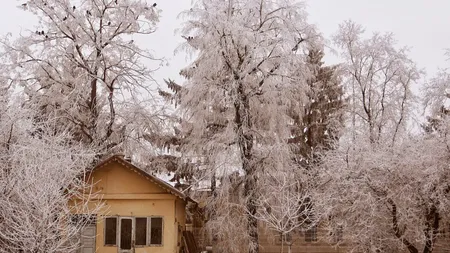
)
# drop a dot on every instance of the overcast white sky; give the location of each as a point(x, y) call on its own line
point(423, 25)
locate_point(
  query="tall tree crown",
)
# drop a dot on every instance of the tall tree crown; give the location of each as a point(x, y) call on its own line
point(82, 65)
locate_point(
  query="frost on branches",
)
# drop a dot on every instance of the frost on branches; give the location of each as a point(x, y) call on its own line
point(285, 206)
point(386, 187)
point(249, 71)
point(388, 199)
point(39, 173)
point(379, 80)
point(82, 68)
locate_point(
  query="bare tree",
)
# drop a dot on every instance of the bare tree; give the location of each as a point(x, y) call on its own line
point(82, 68)
point(379, 82)
point(436, 98)
point(384, 185)
point(387, 199)
point(285, 207)
point(39, 174)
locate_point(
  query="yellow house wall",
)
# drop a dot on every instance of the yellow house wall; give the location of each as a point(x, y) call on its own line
point(125, 193)
point(140, 208)
point(180, 217)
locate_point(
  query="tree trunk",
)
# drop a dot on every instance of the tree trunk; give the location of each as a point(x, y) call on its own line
point(396, 228)
point(93, 98)
point(93, 107)
point(431, 230)
point(245, 141)
point(250, 197)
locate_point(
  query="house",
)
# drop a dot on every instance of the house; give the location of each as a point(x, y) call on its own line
point(312, 240)
point(309, 241)
point(139, 212)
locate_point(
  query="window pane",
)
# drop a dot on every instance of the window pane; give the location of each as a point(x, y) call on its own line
point(83, 219)
point(311, 234)
point(156, 231)
point(110, 231)
point(141, 231)
point(125, 233)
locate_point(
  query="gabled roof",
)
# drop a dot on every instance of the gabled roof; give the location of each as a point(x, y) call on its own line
point(162, 184)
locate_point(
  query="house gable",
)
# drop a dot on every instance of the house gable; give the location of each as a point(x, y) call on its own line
point(115, 178)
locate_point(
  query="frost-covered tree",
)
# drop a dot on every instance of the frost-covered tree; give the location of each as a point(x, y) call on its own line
point(285, 207)
point(40, 171)
point(82, 68)
point(318, 126)
point(379, 79)
point(384, 186)
point(249, 70)
point(386, 199)
point(436, 98)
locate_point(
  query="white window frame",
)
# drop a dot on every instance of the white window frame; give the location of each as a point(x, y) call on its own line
point(120, 234)
point(133, 236)
point(149, 231)
point(146, 232)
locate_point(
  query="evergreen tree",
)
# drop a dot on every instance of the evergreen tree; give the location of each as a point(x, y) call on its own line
point(318, 126)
